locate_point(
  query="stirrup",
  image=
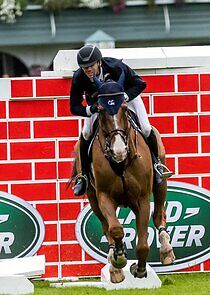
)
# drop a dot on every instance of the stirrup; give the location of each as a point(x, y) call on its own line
point(162, 170)
point(81, 185)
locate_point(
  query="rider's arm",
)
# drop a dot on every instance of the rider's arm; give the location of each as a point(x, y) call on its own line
point(134, 85)
point(76, 99)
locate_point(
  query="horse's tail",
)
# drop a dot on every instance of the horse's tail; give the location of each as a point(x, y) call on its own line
point(74, 170)
point(73, 175)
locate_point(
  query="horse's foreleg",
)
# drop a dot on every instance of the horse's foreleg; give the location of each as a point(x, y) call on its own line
point(95, 207)
point(159, 219)
point(159, 215)
point(142, 248)
point(108, 209)
point(159, 190)
point(117, 255)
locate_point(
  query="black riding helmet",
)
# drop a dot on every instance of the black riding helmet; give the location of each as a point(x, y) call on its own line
point(88, 55)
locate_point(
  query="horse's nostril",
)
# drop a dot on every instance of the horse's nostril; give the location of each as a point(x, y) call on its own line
point(119, 157)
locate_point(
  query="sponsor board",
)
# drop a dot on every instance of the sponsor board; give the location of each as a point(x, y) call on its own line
point(188, 222)
point(21, 227)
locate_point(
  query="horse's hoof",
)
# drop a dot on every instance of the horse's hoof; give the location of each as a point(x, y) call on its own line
point(168, 257)
point(116, 275)
point(138, 272)
point(119, 262)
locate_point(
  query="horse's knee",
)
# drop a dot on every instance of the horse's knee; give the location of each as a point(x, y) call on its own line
point(116, 232)
point(159, 192)
point(159, 221)
point(159, 214)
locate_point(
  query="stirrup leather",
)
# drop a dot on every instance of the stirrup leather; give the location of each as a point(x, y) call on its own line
point(162, 170)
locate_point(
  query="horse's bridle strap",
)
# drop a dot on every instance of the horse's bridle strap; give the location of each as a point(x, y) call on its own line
point(113, 132)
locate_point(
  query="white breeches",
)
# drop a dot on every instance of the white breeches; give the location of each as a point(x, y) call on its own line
point(136, 105)
point(87, 129)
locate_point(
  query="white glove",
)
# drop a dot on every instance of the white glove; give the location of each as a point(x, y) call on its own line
point(126, 97)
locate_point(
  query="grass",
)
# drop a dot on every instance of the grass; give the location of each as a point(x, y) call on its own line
point(179, 284)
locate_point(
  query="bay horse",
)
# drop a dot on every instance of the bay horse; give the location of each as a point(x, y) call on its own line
point(122, 175)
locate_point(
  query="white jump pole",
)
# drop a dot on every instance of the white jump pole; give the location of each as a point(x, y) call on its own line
point(150, 282)
point(14, 274)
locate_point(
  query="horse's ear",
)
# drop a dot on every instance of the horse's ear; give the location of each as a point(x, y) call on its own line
point(124, 105)
point(121, 79)
point(100, 108)
point(97, 82)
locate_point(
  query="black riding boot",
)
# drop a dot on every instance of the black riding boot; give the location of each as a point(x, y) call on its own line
point(81, 181)
point(161, 170)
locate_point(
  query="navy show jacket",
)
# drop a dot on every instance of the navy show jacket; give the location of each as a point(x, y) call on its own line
point(82, 87)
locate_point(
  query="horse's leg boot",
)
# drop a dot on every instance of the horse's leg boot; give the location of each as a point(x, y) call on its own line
point(167, 256)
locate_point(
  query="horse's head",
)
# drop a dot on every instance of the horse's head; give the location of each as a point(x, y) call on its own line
point(113, 119)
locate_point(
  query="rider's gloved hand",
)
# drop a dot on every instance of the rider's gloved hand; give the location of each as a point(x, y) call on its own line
point(126, 97)
point(94, 108)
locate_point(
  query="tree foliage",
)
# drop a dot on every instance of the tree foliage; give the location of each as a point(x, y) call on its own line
point(10, 9)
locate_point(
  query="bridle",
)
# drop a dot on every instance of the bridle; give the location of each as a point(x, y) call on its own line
point(109, 135)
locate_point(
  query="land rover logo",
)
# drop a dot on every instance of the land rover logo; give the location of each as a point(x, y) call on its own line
point(21, 227)
point(188, 222)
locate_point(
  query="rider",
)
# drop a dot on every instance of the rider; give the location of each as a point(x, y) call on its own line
point(91, 63)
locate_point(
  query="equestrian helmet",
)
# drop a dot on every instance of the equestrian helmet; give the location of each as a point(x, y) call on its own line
point(88, 55)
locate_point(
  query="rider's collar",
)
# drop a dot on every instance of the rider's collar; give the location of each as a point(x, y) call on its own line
point(101, 75)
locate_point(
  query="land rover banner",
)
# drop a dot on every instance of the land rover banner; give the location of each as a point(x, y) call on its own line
point(188, 222)
point(21, 227)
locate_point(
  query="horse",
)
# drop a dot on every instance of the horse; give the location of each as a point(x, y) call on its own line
point(122, 174)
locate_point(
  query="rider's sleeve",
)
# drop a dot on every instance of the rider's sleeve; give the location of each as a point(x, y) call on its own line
point(134, 84)
point(76, 99)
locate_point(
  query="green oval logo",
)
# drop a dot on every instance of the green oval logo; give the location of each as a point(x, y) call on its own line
point(187, 209)
point(21, 227)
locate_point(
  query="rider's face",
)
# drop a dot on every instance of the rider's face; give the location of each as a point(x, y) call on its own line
point(92, 70)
